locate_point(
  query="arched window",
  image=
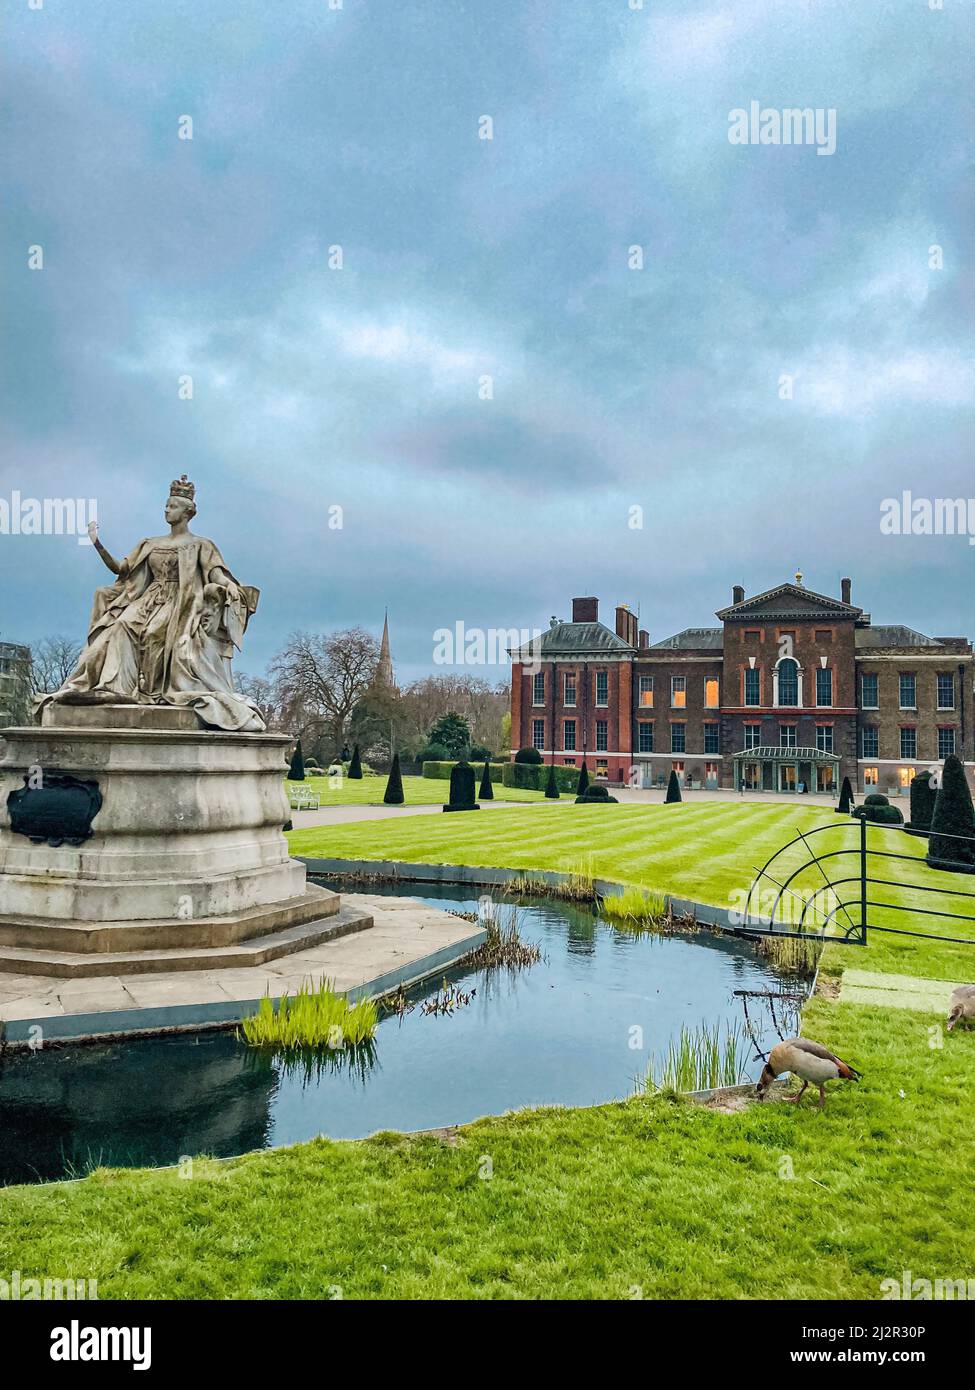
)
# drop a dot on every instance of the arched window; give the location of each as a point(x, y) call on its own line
point(788, 681)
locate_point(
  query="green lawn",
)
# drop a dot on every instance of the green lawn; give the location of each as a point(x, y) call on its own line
point(651, 1194)
point(419, 791)
point(654, 1194)
point(706, 852)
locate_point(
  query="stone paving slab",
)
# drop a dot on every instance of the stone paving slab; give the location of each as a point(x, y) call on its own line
point(407, 942)
point(897, 991)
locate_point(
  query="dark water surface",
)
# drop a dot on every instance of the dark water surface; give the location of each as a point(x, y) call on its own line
point(558, 1032)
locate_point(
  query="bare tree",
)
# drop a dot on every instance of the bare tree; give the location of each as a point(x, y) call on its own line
point(319, 679)
point(52, 661)
point(264, 696)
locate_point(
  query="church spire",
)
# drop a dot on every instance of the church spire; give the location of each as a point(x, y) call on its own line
point(384, 669)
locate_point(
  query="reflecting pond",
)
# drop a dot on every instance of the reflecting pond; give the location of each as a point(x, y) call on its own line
point(578, 1028)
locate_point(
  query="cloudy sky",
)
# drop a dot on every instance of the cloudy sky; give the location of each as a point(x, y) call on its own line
point(509, 259)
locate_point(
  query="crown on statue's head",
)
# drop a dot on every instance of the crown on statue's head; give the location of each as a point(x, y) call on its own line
point(182, 487)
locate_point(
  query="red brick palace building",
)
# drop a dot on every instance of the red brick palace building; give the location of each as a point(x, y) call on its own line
point(795, 690)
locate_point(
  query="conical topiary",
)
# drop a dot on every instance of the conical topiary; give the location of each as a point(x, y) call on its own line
point(552, 786)
point(923, 797)
point(673, 789)
point(355, 766)
point(952, 841)
point(394, 787)
point(846, 798)
point(583, 782)
point(296, 772)
point(486, 790)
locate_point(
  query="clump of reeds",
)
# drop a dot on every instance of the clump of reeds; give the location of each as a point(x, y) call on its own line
point(311, 1018)
point(503, 946)
point(639, 910)
point(701, 1059)
point(635, 907)
point(577, 885)
point(799, 955)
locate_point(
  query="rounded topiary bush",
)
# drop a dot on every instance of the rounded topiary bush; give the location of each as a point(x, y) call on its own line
point(876, 799)
point(879, 812)
point(596, 795)
point(528, 755)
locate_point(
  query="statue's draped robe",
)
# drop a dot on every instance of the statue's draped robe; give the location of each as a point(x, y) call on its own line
point(165, 634)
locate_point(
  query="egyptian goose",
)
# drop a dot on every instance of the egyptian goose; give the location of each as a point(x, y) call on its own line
point(810, 1061)
point(962, 1004)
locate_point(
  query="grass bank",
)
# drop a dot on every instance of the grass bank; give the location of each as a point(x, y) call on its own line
point(652, 1195)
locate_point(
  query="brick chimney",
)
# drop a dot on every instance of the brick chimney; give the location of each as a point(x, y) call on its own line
point(626, 624)
point(846, 589)
point(585, 610)
point(738, 594)
point(644, 639)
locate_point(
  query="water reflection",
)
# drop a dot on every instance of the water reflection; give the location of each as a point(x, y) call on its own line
point(560, 1032)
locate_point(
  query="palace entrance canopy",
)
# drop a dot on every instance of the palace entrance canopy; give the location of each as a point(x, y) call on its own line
point(773, 769)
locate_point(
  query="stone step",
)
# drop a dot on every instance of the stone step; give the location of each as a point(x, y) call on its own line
point(78, 965)
point(165, 933)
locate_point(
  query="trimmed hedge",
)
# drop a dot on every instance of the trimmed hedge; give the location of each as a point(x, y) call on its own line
point(534, 777)
point(440, 771)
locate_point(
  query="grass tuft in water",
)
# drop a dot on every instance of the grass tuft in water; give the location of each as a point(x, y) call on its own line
point(503, 946)
point(311, 1018)
point(799, 955)
point(577, 884)
point(701, 1059)
point(634, 907)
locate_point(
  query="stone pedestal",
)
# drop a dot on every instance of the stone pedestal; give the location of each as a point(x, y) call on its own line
point(185, 848)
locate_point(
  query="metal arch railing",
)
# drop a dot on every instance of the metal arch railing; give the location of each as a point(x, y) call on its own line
point(855, 932)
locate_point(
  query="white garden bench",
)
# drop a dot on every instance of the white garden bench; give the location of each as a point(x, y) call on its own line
point(303, 799)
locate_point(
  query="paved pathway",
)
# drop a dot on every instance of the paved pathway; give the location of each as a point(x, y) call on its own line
point(407, 941)
point(344, 815)
point(896, 991)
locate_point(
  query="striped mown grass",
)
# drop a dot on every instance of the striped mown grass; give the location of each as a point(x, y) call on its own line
point(709, 853)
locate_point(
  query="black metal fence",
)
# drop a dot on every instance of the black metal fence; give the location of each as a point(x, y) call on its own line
point(846, 907)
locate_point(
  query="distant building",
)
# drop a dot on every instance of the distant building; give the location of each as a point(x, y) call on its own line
point(14, 684)
point(795, 688)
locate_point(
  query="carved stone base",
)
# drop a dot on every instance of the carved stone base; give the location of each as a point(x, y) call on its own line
point(139, 834)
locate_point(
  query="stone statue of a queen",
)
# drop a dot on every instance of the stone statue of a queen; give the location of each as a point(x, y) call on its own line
point(165, 631)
